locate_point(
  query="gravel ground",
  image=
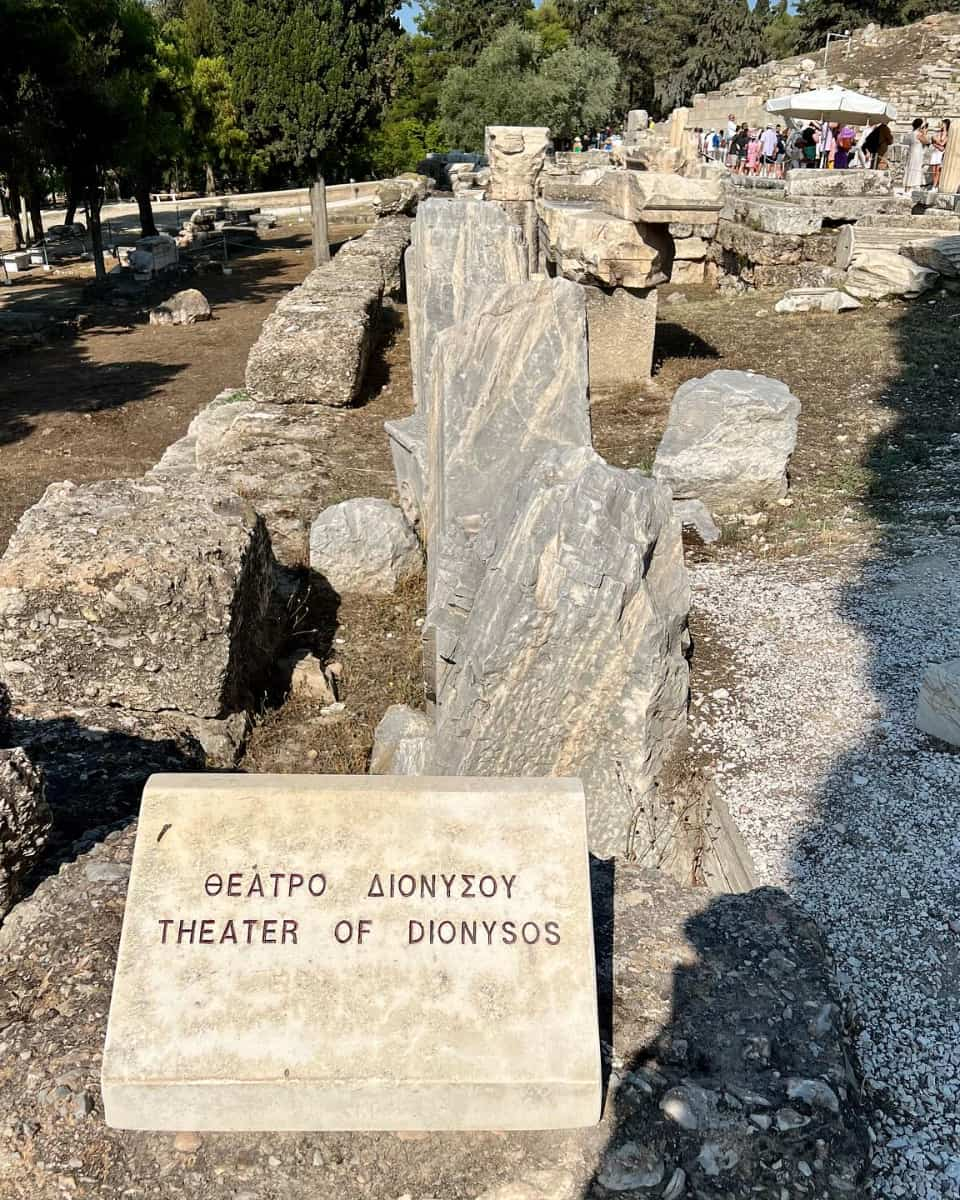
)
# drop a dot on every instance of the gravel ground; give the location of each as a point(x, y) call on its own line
point(806, 705)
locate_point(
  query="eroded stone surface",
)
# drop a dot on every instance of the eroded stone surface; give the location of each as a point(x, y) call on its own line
point(145, 594)
point(800, 300)
point(590, 246)
point(402, 742)
point(570, 658)
point(460, 250)
point(805, 182)
point(184, 308)
point(515, 154)
point(314, 348)
point(621, 330)
point(728, 440)
point(879, 274)
point(658, 197)
point(24, 823)
point(385, 243)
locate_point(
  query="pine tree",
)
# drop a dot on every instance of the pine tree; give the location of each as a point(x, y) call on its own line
point(817, 18)
point(460, 29)
point(309, 76)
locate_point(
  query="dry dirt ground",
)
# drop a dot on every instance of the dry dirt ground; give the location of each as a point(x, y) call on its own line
point(109, 397)
point(878, 387)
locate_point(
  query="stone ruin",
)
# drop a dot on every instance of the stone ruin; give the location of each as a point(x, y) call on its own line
point(140, 619)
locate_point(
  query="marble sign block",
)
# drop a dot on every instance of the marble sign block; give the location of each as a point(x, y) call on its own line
point(330, 952)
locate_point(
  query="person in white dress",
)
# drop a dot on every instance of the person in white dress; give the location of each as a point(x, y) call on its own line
point(913, 175)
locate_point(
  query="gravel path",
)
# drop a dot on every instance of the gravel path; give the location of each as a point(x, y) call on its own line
point(808, 711)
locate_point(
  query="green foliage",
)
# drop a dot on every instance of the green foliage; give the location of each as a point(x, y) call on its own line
point(460, 29)
point(781, 32)
point(715, 41)
point(309, 75)
point(549, 26)
point(515, 83)
point(817, 18)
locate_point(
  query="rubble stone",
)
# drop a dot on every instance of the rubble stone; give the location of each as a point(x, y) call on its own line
point(24, 823)
point(879, 274)
point(402, 742)
point(366, 546)
point(589, 246)
point(757, 247)
point(938, 708)
point(800, 300)
point(728, 439)
point(144, 594)
point(184, 308)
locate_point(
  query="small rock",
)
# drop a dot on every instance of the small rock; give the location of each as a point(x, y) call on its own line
point(82, 1105)
point(692, 1107)
point(186, 1143)
point(813, 1092)
point(789, 1119)
point(631, 1166)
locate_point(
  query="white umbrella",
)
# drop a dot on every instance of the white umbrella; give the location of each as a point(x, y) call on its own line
point(833, 104)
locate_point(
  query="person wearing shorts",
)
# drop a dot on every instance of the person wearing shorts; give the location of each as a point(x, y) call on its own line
point(938, 145)
point(768, 150)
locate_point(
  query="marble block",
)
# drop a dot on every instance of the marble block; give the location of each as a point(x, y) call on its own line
point(334, 952)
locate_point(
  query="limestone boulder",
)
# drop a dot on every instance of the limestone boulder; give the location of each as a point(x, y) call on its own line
point(184, 308)
point(651, 152)
point(938, 707)
point(515, 154)
point(25, 823)
point(728, 440)
point(314, 348)
point(585, 185)
point(384, 244)
point(401, 195)
point(881, 274)
point(770, 216)
point(802, 300)
point(402, 742)
point(364, 546)
point(756, 247)
point(570, 660)
point(144, 594)
point(659, 197)
point(589, 246)
point(621, 330)
point(846, 184)
point(688, 274)
point(695, 515)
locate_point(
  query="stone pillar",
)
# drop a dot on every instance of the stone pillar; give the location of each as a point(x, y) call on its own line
point(950, 176)
point(621, 325)
point(678, 127)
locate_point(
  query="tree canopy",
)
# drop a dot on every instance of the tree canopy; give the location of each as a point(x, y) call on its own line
point(515, 82)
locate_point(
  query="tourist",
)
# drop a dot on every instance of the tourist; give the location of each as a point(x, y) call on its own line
point(844, 147)
point(877, 142)
point(577, 145)
point(731, 128)
point(768, 150)
point(781, 152)
point(938, 147)
point(753, 153)
point(918, 142)
point(809, 147)
point(739, 149)
point(795, 149)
